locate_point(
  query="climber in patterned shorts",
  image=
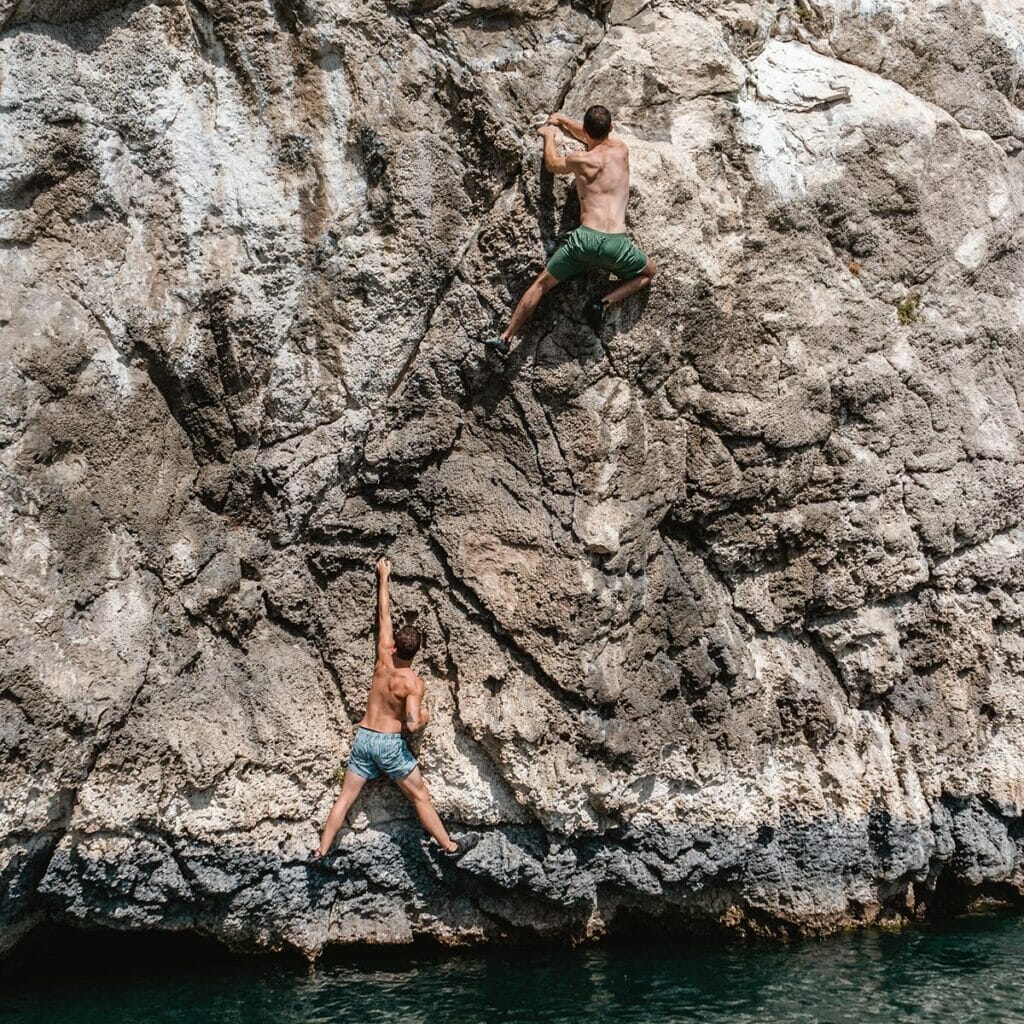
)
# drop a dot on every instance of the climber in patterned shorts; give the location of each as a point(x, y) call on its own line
point(601, 241)
point(396, 700)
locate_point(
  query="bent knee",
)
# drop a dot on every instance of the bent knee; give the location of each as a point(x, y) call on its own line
point(545, 281)
point(650, 270)
point(419, 794)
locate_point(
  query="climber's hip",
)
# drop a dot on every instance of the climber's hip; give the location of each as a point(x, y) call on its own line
point(586, 249)
point(380, 753)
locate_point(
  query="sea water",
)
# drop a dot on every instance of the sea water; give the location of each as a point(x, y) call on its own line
point(966, 971)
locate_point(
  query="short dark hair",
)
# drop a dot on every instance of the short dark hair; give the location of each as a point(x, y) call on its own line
point(597, 121)
point(407, 642)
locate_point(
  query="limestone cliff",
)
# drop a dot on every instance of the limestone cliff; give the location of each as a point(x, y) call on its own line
point(724, 608)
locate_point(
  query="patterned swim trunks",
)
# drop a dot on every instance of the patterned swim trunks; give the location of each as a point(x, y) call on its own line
point(374, 753)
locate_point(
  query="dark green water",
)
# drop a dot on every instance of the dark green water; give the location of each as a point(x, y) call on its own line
point(967, 971)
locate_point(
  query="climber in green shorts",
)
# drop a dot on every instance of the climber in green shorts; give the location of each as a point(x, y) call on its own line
point(600, 242)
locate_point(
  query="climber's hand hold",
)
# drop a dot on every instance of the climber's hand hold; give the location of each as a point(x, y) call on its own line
point(546, 130)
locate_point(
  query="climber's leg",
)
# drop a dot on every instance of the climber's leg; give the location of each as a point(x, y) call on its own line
point(597, 311)
point(631, 287)
point(528, 304)
point(350, 789)
point(418, 795)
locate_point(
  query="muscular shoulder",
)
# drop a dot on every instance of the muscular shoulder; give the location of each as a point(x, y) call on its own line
point(406, 682)
point(619, 153)
point(593, 162)
point(577, 158)
point(585, 165)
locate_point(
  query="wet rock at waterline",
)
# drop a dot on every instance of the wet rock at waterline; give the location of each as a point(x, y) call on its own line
point(723, 608)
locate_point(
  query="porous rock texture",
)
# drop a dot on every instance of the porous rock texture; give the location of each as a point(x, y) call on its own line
point(724, 608)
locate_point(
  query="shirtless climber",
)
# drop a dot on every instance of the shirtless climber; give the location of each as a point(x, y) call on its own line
point(601, 242)
point(396, 699)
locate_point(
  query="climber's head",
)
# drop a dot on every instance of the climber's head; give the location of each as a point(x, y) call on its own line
point(597, 122)
point(407, 643)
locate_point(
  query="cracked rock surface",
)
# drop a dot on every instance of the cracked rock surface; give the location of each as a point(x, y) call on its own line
point(724, 609)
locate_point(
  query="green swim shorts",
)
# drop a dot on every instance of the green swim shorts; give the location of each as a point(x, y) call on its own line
point(586, 249)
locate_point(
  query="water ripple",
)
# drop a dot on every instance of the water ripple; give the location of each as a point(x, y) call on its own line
point(968, 972)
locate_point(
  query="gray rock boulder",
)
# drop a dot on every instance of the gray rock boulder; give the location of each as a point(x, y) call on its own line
point(724, 608)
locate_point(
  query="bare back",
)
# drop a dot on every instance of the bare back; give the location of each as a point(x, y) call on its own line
point(389, 691)
point(602, 183)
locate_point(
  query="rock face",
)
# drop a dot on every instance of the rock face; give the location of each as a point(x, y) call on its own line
point(724, 609)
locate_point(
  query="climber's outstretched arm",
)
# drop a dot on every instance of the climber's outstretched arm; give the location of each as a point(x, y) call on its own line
point(385, 637)
point(567, 124)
